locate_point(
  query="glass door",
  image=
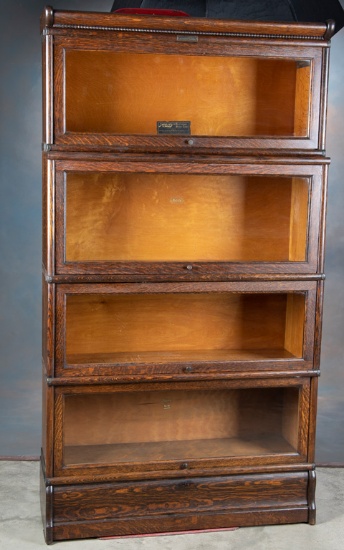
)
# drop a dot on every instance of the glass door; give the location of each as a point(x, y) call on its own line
point(189, 426)
point(130, 328)
point(120, 218)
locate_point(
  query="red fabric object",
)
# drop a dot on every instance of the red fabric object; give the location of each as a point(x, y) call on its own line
point(142, 11)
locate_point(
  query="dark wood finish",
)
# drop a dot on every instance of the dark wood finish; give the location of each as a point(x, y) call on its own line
point(188, 222)
point(48, 420)
point(318, 324)
point(324, 98)
point(48, 217)
point(186, 276)
point(46, 498)
point(188, 374)
point(321, 261)
point(48, 328)
point(47, 18)
point(47, 95)
point(311, 497)
point(93, 19)
point(312, 417)
point(208, 45)
point(181, 348)
point(178, 473)
point(265, 157)
point(185, 522)
point(128, 508)
point(128, 298)
point(194, 496)
point(293, 424)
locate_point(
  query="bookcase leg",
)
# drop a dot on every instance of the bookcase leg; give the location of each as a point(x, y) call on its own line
point(311, 497)
point(46, 494)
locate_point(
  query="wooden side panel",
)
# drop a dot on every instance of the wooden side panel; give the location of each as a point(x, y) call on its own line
point(302, 98)
point(322, 233)
point(299, 218)
point(47, 82)
point(48, 327)
point(44, 418)
point(295, 324)
point(48, 422)
point(318, 323)
point(312, 419)
point(48, 216)
point(291, 416)
point(322, 90)
point(275, 98)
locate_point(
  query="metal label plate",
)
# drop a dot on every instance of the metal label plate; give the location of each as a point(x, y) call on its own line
point(174, 127)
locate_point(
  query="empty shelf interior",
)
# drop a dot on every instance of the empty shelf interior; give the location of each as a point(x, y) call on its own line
point(168, 425)
point(128, 93)
point(182, 217)
point(183, 327)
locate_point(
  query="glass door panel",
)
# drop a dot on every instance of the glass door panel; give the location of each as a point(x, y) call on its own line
point(161, 328)
point(138, 93)
point(116, 217)
point(103, 428)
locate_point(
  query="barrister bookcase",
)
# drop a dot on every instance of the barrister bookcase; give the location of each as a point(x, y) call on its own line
point(184, 191)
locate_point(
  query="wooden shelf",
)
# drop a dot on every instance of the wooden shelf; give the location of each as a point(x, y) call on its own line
point(199, 356)
point(176, 450)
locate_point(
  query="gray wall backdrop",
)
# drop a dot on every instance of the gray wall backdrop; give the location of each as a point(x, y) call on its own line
point(20, 237)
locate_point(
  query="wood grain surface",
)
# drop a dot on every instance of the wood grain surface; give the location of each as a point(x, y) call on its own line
point(161, 217)
point(183, 273)
point(126, 93)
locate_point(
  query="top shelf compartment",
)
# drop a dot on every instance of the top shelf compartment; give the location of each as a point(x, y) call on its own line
point(148, 94)
point(156, 89)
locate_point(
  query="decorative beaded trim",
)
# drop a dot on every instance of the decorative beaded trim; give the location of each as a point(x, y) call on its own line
point(205, 33)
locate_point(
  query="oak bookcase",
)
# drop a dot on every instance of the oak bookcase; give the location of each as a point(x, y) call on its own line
point(184, 191)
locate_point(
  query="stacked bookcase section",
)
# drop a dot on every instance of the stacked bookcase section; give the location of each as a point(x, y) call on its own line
point(184, 193)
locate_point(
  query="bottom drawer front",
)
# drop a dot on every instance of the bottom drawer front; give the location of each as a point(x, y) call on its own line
point(123, 501)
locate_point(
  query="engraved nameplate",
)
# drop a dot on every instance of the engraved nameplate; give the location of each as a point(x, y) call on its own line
point(173, 127)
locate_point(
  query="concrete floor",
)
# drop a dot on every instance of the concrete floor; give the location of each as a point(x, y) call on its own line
point(21, 529)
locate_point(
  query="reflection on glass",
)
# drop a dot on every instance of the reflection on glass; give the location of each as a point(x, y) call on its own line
point(129, 93)
point(179, 217)
point(201, 327)
point(146, 426)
